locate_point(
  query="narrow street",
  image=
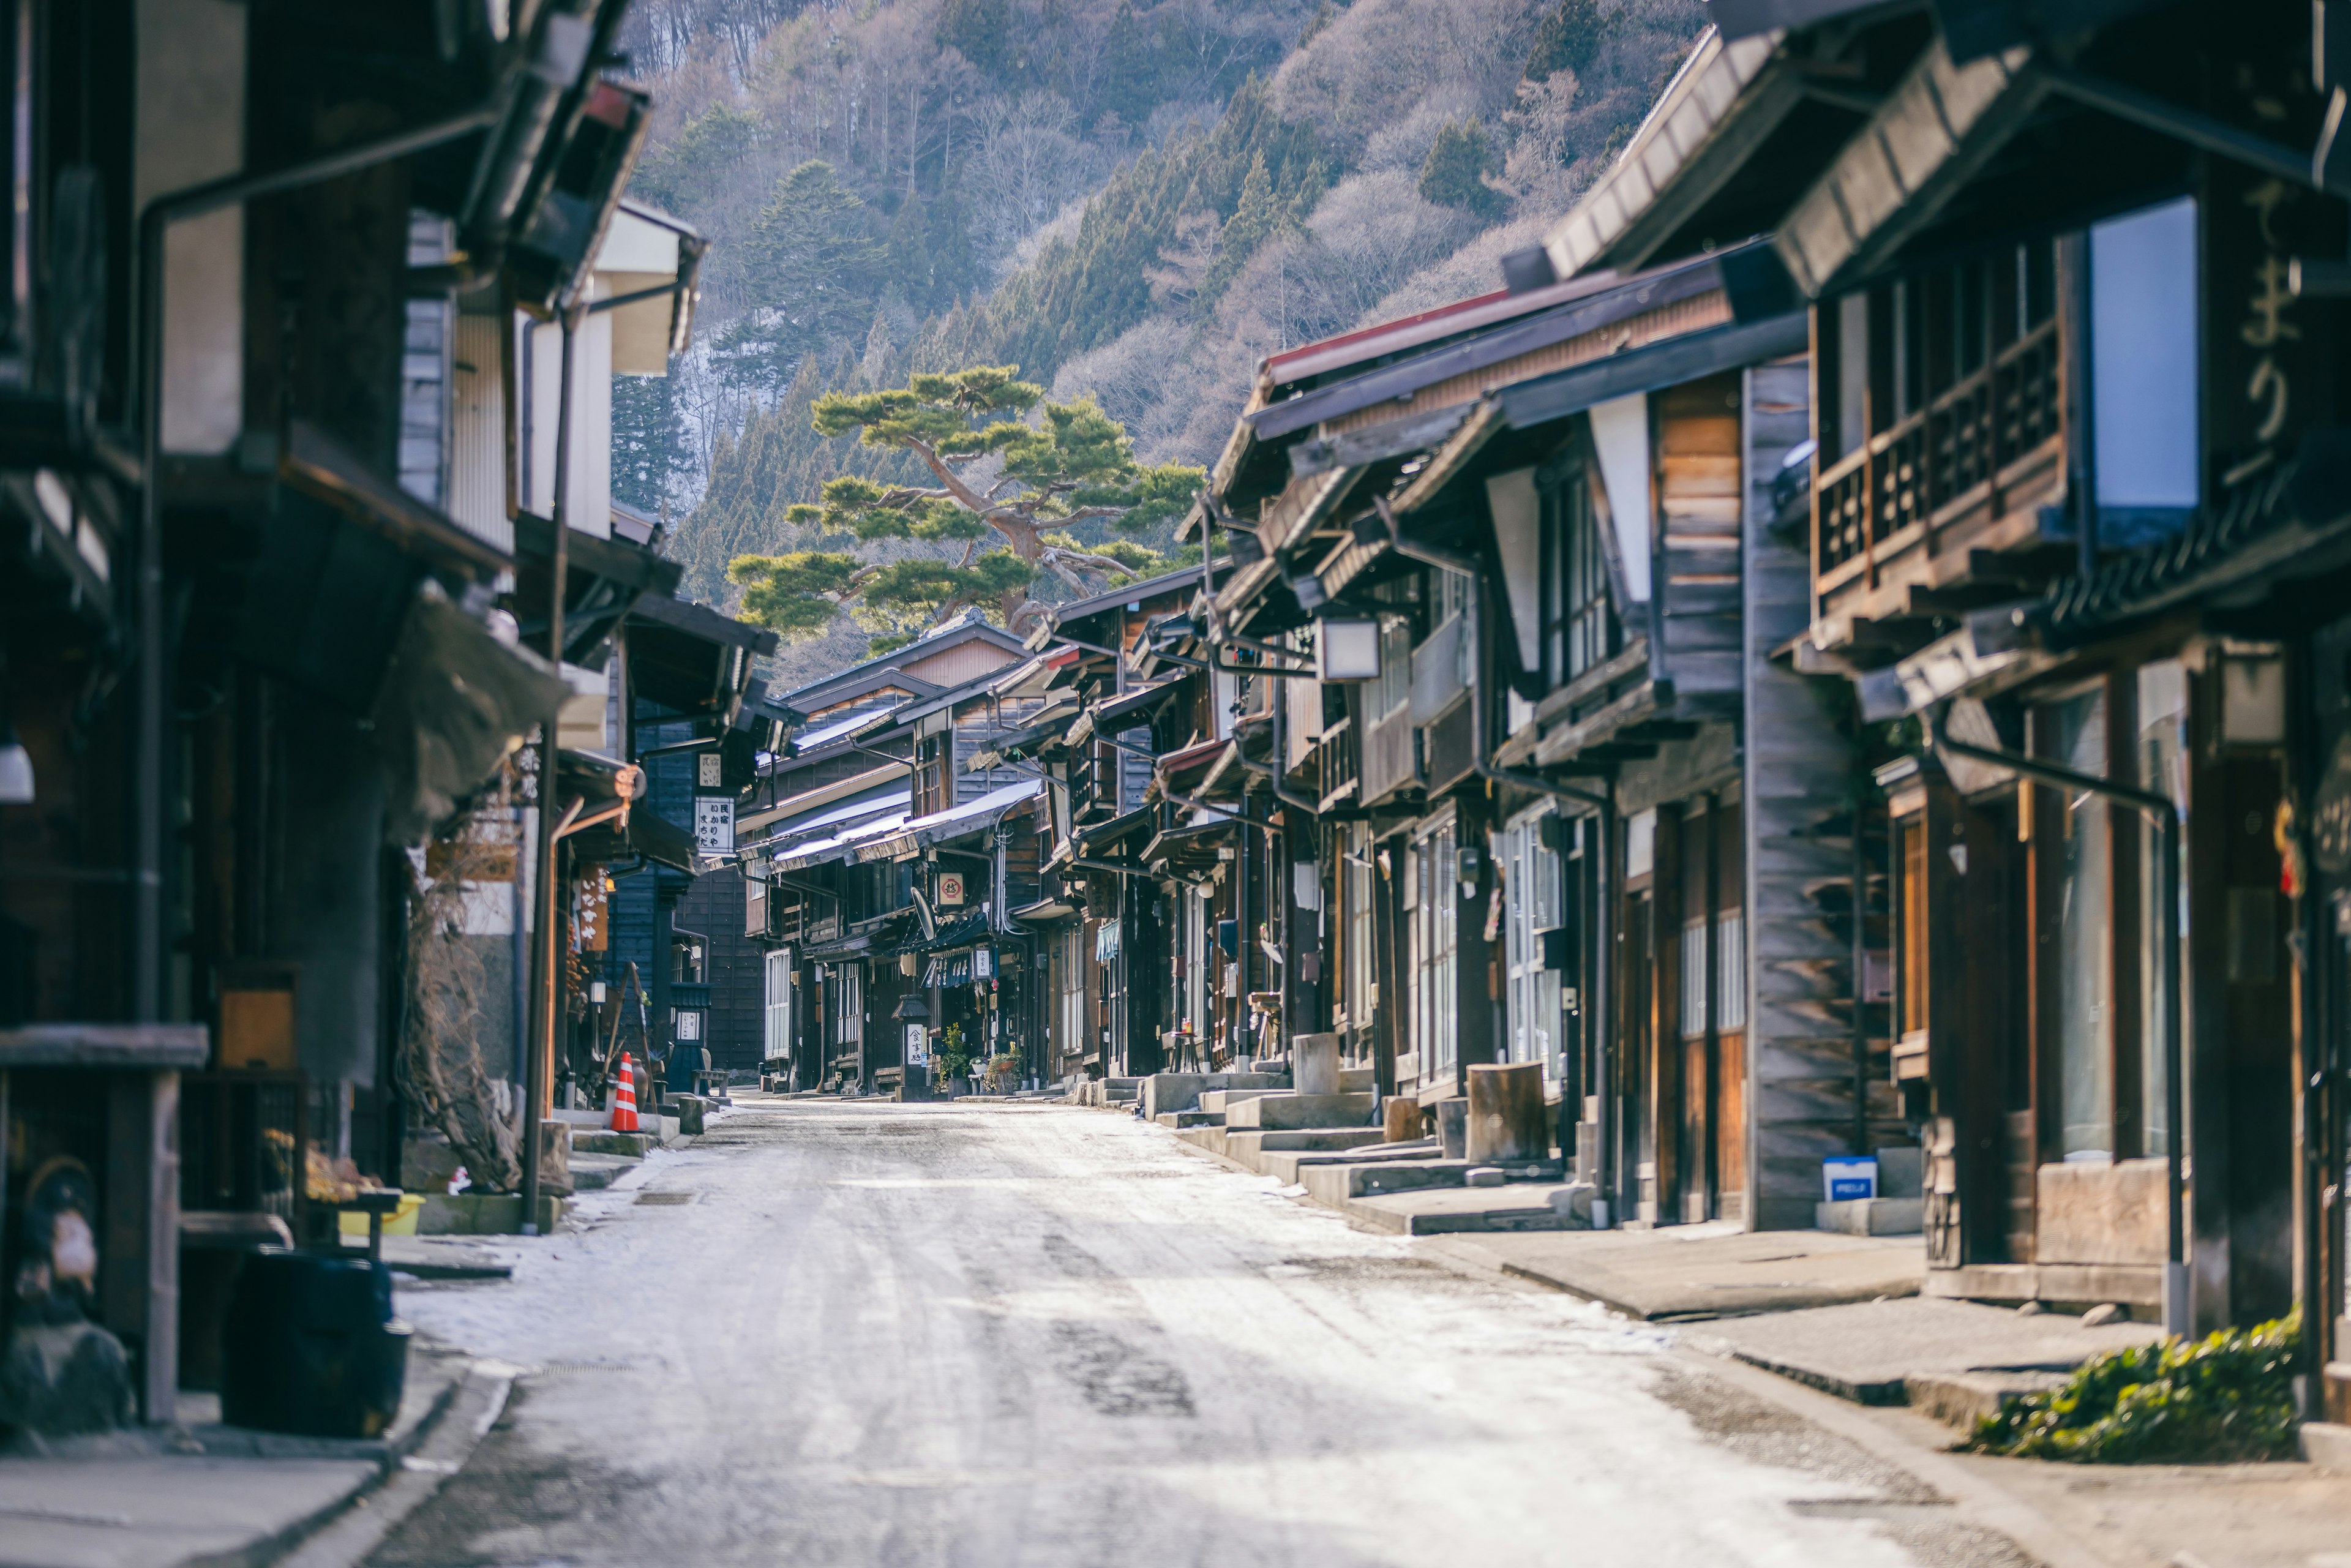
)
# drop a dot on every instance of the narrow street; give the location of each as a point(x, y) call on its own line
point(898, 1335)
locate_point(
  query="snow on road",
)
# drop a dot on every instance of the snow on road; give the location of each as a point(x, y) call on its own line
point(1025, 1334)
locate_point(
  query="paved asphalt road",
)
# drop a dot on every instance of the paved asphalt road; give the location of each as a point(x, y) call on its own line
point(866, 1333)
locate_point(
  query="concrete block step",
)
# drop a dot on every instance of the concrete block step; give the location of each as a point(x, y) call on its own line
point(1211, 1139)
point(1224, 1100)
point(593, 1172)
point(1180, 1119)
point(1122, 1091)
point(2327, 1445)
point(1319, 1140)
point(1292, 1113)
point(1342, 1180)
point(1872, 1217)
point(1466, 1212)
point(1292, 1165)
point(1164, 1091)
point(1358, 1080)
point(1955, 1398)
point(588, 1141)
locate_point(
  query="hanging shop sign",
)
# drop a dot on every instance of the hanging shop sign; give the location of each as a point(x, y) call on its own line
point(714, 824)
point(591, 930)
point(983, 964)
point(949, 969)
point(950, 890)
point(709, 770)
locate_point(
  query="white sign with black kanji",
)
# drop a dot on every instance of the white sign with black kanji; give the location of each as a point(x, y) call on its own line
point(714, 824)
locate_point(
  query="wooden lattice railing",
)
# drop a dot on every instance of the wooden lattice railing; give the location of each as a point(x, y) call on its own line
point(1962, 440)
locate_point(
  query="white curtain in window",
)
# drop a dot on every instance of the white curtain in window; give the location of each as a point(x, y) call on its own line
point(1730, 970)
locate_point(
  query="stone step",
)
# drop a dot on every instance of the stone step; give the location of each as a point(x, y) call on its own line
point(1358, 1080)
point(593, 1172)
point(1872, 1216)
point(1291, 1113)
point(1121, 1091)
point(588, 1141)
point(1339, 1181)
point(1468, 1211)
point(1180, 1119)
point(1318, 1140)
point(1224, 1100)
point(1164, 1091)
point(1963, 1398)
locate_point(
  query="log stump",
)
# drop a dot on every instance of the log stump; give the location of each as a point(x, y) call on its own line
point(1506, 1118)
point(1314, 1063)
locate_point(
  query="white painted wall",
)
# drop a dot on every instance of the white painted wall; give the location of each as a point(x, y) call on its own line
point(191, 85)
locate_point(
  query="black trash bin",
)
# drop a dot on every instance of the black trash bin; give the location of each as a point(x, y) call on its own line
point(311, 1347)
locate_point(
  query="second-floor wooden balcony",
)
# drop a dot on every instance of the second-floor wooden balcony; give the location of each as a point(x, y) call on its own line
point(1336, 768)
point(1968, 473)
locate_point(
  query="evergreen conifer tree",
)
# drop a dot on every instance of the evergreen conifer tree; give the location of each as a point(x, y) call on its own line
point(1457, 163)
point(1073, 465)
point(1570, 37)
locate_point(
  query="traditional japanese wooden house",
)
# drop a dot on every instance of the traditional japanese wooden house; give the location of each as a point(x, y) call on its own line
point(2079, 515)
point(245, 648)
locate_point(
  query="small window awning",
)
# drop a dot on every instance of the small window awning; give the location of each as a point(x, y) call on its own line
point(842, 845)
point(1036, 678)
point(1113, 716)
point(452, 704)
point(603, 580)
point(690, 658)
point(1653, 368)
point(872, 792)
point(919, 833)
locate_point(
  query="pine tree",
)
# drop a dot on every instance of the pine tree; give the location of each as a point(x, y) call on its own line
point(1261, 215)
point(1569, 38)
point(1130, 87)
point(651, 448)
point(1073, 465)
point(1453, 175)
point(813, 271)
point(686, 174)
point(981, 31)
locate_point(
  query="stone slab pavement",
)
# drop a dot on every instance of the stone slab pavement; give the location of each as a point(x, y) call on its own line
point(441, 1256)
point(201, 1493)
point(1866, 1351)
point(1713, 1270)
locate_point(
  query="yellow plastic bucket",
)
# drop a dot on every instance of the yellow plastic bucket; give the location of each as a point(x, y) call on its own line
point(403, 1223)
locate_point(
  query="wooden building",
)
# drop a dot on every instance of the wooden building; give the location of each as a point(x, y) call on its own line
point(251, 645)
point(2078, 530)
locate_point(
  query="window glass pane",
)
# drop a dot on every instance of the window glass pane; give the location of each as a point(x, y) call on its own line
point(2162, 768)
point(2143, 357)
point(2083, 962)
point(1694, 967)
point(1730, 972)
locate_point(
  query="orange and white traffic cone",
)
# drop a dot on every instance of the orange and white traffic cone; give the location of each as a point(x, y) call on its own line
point(624, 1099)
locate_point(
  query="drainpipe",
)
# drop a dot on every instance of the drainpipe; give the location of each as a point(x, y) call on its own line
point(154, 222)
point(2165, 816)
point(1481, 759)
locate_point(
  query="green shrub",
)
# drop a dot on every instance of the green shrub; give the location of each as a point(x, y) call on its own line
point(2226, 1398)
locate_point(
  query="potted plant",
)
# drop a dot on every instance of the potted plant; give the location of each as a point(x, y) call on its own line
point(953, 1056)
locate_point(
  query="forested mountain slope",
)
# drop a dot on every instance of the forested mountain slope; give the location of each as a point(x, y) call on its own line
point(1130, 200)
